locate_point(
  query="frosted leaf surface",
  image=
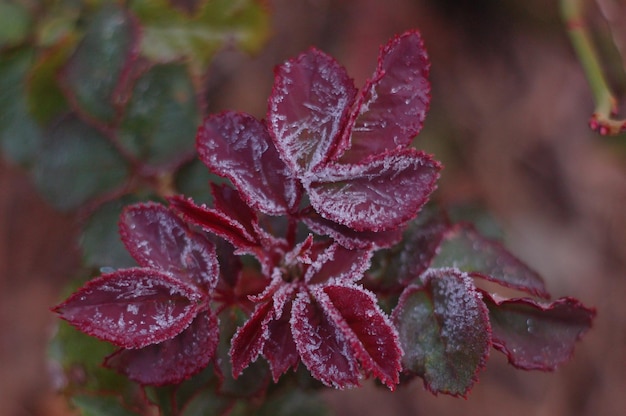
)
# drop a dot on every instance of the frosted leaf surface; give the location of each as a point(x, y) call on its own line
point(280, 348)
point(393, 103)
point(132, 308)
point(348, 237)
point(214, 221)
point(159, 239)
point(370, 333)
point(248, 341)
point(465, 249)
point(537, 336)
point(170, 361)
point(308, 109)
point(322, 346)
point(378, 195)
point(239, 147)
point(444, 331)
point(228, 201)
point(337, 264)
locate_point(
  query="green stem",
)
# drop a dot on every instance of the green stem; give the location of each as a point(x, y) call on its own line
point(606, 105)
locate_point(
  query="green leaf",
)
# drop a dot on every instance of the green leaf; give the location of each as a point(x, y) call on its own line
point(76, 164)
point(15, 23)
point(101, 406)
point(20, 135)
point(444, 331)
point(192, 180)
point(79, 358)
point(294, 402)
point(465, 249)
point(170, 34)
point(95, 73)
point(44, 96)
point(162, 116)
point(100, 240)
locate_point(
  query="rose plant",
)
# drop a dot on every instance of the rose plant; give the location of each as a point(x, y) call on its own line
point(321, 253)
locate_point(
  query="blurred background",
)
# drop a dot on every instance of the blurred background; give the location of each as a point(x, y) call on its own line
point(508, 118)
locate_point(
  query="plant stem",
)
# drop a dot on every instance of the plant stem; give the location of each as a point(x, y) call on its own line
point(602, 119)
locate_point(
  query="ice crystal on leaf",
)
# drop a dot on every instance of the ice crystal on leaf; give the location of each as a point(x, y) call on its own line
point(347, 150)
point(159, 312)
point(338, 161)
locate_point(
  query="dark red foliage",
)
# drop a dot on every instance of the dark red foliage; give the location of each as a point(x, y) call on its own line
point(338, 161)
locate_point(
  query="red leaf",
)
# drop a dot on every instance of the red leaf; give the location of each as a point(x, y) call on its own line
point(323, 347)
point(444, 331)
point(159, 239)
point(248, 341)
point(239, 147)
point(537, 336)
point(337, 264)
point(464, 248)
point(372, 337)
point(132, 308)
point(393, 104)
point(308, 109)
point(228, 200)
point(173, 360)
point(377, 195)
point(348, 237)
point(214, 221)
point(280, 349)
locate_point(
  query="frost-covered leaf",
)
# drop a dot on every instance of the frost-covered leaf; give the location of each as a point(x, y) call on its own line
point(378, 195)
point(248, 341)
point(103, 58)
point(239, 147)
point(173, 360)
point(280, 349)
point(348, 237)
point(170, 34)
point(308, 109)
point(322, 345)
point(159, 239)
point(464, 248)
point(76, 163)
point(132, 308)
point(370, 333)
point(228, 200)
point(337, 264)
point(214, 221)
point(444, 331)
point(393, 104)
point(537, 336)
point(160, 119)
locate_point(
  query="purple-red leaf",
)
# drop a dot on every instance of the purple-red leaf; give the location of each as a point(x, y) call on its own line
point(464, 248)
point(348, 237)
point(248, 341)
point(393, 104)
point(132, 308)
point(444, 331)
point(214, 221)
point(280, 349)
point(377, 195)
point(535, 336)
point(337, 264)
point(371, 335)
point(308, 109)
point(239, 147)
point(322, 345)
point(170, 361)
point(159, 239)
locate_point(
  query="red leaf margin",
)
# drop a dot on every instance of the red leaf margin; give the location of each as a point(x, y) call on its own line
point(570, 319)
point(114, 293)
